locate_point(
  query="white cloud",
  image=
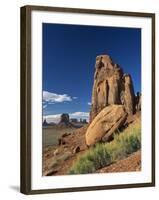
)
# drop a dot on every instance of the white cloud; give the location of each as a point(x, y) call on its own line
point(44, 106)
point(77, 115)
point(52, 118)
point(89, 103)
point(50, 97)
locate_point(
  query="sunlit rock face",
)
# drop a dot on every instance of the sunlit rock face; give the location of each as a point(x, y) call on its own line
point(111, 86)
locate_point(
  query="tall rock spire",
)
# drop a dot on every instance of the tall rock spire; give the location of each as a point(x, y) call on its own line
point(111, 86)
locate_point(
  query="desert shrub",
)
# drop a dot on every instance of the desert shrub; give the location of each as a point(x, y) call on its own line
point(99, 156)
point(103, 154)
point(83, 166)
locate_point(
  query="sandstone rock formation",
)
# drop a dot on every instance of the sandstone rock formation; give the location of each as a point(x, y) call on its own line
point(105, 124)
point(138, 101)
point(129, 97)
point(111, 86)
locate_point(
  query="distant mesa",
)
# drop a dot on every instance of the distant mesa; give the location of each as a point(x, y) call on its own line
point(64, 118)
point(84, 121)
point(45, 123)
point(73, 120)
point(66, 122)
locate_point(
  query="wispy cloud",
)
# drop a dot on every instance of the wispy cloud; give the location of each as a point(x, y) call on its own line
point(52, 118)
point(52, 98)
point(89, 103)
point(77, 115)
point(44, 106)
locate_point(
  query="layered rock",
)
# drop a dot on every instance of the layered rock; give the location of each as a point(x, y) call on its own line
point(111, 86)
point(129, 97)
point(105, 124)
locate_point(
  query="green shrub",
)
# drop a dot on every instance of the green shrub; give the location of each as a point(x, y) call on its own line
point(103, 154)
point(99, 156)
point(83, 166)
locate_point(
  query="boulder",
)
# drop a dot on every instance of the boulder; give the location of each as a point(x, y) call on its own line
point(105, 124)
point(56, 152)
point(76, 150)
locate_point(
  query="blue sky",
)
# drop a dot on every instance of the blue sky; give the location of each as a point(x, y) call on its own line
point(69, 53)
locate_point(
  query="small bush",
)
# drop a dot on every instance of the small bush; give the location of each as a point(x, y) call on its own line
point(83, 166)
point(103, 154)
point(99, 156)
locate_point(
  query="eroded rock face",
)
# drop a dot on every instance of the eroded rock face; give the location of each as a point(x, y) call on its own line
point(105, 124)
point(138, 101)
point(129, 96)
point(111, 87)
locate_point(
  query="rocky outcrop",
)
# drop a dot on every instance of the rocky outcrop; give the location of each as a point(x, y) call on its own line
point(111, 86)
point(105, 124)
point(138, 101)
point(129, 97)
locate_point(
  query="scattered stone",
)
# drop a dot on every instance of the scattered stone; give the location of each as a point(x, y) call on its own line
point(65, 156)
point(76, 150)
point(54, 163)
point(66, 134)
point(51, 172)
point(61, 141)
point(56, 152)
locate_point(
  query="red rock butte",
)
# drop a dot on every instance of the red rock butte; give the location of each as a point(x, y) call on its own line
point(111, 86)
